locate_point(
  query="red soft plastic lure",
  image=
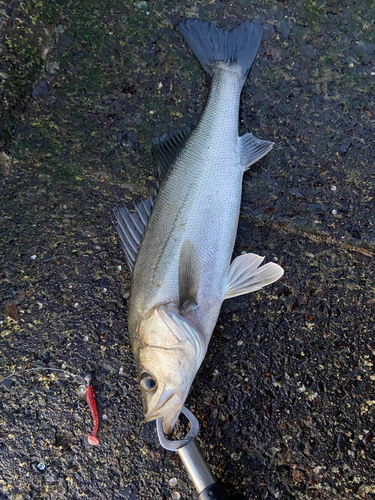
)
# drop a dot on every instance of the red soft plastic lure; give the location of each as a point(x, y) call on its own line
point(90, 398)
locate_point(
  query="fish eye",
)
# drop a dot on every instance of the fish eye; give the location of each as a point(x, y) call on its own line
point(148, 382)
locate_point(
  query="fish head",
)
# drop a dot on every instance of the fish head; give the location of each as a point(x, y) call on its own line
point(170, 352)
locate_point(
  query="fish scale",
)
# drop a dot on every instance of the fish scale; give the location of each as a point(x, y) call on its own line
point(203, 190)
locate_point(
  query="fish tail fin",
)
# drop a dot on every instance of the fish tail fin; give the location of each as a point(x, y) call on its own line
point(211, 45)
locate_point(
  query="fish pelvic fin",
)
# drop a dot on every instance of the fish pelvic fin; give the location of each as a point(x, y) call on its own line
point(253, 149)
point(189, 275)
point(246, 276)
point(131, 227)
point(212, 45)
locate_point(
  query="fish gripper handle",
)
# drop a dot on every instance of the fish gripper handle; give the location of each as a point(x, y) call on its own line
point(215, 491)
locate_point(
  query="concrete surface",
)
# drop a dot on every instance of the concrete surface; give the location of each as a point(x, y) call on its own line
point(285, 396)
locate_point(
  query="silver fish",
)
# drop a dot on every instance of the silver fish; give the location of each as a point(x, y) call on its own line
point(179, 245)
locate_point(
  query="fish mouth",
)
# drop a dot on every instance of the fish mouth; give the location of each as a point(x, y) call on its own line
point(166, 410)
point(155, 413)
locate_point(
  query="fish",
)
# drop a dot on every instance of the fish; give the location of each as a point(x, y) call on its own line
point(179, 242)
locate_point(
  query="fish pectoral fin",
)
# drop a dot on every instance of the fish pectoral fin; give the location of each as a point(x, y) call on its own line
point(253, 149)
point(131, 227)
point(167, 147)
point(189, 274)
point(246, 276)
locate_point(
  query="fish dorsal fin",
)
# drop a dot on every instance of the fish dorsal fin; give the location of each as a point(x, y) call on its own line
point(246, 276)
point(131, 227)
point(167, 147)
point(252, 149)
point(189, 275)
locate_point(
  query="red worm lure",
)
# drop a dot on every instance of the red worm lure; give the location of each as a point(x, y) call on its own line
point(90, 398)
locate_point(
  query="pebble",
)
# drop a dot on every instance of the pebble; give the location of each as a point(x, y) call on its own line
point(6, 383)
point(172, 481)
point(334, 212)
point(33, 257)
point(41, 466)
point(333, 188)
point(176, 495)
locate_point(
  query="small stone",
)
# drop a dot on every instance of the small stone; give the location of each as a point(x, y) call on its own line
point(64, 41)
point(132, 136)
point(175, 495)
point(172, 481)
point(240, 342)
point(334, 212)
point(33, 257)
point(368, 438)
point(41, 466)
point(40, 88)
point(298, 475)
point(333, 188)
point(6, 383)
point(296, 192)
point(82, 390)
point(268, 31)
point(12, 311)
point(141, 5)
point(51, 478)
point(104, 418)
point(119, 268)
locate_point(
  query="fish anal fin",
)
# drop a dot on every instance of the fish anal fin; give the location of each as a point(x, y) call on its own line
point(189, 275)
point(167, 147)
point(246, 276)
point(131, 227)
point(253, 149)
